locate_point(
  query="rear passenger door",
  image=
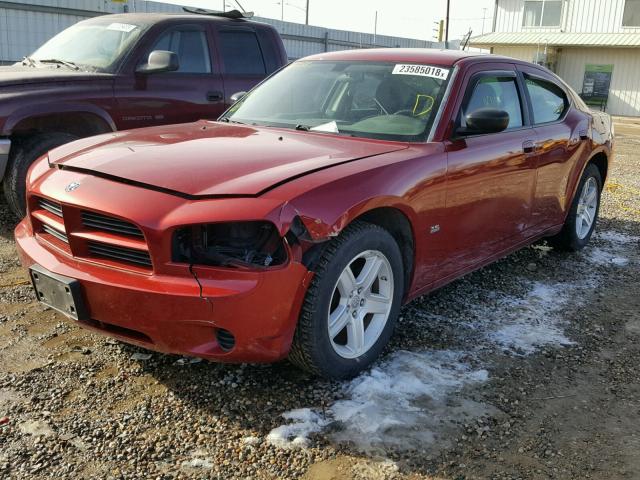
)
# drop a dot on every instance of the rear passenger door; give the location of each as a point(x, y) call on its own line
point(562, 142)
point(195, 91)
point(241, 58)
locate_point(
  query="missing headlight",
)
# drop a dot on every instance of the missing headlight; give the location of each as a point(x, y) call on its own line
point(235, 244)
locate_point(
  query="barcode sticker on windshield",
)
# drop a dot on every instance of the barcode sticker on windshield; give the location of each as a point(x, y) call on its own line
point(121, 27)
point(421, 70)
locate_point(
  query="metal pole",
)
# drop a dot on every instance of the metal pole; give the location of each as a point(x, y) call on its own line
point(446, 32)
point(484, 15)
point(375, 28)
point(282, 12)
point(306, 22)
point(224, 5)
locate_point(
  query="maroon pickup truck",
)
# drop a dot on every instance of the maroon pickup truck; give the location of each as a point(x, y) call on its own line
point(126, 71)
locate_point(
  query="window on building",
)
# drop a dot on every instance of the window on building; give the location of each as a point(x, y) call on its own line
point(500, 93)
point(542, 13)
point(631, 15)
point(191, 47)
point(548, 101)
point(241, 53)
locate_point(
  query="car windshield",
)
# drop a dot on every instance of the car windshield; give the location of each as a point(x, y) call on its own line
point(93, 45)
point(385, 101)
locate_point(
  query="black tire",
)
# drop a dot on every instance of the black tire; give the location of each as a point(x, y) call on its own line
point(568, 238)
point(312, 349)
point(23, 154)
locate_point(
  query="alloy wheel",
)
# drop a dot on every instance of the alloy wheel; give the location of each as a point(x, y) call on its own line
point(587, 208)
point(360, 304)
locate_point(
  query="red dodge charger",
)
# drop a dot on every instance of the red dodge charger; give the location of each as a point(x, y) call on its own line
point(299, 222)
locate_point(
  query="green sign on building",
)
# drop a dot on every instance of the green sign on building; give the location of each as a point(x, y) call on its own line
point(596, 84)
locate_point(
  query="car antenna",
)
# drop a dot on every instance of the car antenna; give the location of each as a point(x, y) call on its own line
point(233, 14)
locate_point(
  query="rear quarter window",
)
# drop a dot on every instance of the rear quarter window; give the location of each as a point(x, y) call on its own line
point(548, 101)
point(241, 53)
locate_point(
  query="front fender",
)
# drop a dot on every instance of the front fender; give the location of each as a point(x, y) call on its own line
point(31, 111)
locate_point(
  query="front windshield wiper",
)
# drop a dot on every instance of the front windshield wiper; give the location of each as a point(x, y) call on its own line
point(304, 128)
point(57, 61)
point(28, 61)
point(228, 120)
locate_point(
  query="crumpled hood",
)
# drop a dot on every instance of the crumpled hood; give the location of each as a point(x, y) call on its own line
point(211, 158)
point(18, 75)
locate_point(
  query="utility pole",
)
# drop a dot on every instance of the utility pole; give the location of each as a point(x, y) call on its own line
point(446, 32)
point(375, 28)
point(484, 15)
point(306, 22)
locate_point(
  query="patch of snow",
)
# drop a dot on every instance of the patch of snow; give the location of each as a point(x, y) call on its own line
point(522, 325)
point(604, 257)
point(303, 422)
point(616, 237)
point(251, 440)
point(405, 400)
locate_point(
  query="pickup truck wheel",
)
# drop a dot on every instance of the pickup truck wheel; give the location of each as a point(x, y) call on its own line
point(23, 155)
point(581, 220)
point(351, 307)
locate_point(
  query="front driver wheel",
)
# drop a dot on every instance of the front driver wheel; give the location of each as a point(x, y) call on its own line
point(351, 307)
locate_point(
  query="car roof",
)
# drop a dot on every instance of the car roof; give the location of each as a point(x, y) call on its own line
point(409, 55)
point(153, 18)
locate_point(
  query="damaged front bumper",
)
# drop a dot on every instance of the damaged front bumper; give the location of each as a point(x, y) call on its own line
point(184, 314)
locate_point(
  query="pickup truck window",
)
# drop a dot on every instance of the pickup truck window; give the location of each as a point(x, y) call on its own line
point(241, 53)
point(191, 47)
point(96, 45)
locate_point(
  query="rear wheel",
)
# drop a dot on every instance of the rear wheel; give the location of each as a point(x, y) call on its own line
point(581, 220)
point(23, 154)
point(352, 305)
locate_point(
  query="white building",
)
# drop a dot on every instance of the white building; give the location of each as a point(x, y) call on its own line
point(594, 45)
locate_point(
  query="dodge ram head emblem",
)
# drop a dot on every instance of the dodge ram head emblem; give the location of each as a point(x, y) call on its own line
point(71, 187)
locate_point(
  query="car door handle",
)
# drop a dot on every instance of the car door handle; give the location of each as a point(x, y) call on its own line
point(528, 146)
point(214, 96)
point(584, 135)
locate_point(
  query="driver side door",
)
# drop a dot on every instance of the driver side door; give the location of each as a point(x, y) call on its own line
point(491, 177)
point(195, 91)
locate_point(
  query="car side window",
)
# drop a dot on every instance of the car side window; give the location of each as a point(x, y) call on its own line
point(190, 44)
point(496, 92)
point(241, 53)
point(548, 101)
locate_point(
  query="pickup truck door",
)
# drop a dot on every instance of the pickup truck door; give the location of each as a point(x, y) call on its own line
point(192, 93)
point(245, 57)
point(491, 177)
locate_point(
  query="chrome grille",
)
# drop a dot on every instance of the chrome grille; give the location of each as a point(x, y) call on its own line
point(50, 206)
point(52, 231)
point(123, 254)
point(99, 221)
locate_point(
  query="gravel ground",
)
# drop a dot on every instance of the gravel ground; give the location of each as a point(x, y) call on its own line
point(527, 369)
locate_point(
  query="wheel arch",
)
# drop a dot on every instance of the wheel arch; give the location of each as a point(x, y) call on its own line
point(79, 120)
point(388, 213)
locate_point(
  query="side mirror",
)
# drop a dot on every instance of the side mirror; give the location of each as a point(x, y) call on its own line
point(236, 97)
point(485, 120)
point(160, 61)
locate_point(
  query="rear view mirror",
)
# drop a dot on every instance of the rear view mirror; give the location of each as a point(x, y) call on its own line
point(485, 120)
point(160, 61)
point(236, 97)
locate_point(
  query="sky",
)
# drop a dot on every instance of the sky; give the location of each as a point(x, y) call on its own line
point(402, 18)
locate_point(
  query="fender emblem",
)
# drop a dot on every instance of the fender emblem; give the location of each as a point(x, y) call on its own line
point(434, 229)
point(71, 187)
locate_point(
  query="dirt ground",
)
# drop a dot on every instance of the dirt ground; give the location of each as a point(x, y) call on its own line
point(527, 369)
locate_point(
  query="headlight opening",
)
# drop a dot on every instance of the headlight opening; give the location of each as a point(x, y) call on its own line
point(231, 244)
